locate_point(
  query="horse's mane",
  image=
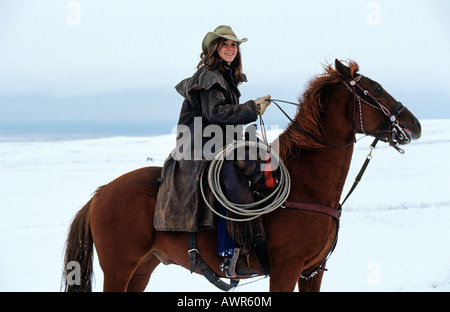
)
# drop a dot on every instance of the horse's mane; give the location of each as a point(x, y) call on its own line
point(308, 115)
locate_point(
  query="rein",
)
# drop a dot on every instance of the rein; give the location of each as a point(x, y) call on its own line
point(386, 125)
point(304, 131)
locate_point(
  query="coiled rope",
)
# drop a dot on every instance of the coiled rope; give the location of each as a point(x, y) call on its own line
point(248, 211)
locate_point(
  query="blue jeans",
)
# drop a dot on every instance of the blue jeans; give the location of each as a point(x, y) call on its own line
point(224, 240)
point(236, 189)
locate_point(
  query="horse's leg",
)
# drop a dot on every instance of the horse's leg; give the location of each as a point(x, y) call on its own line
point(120, 247)
point(120, 259)
point(116, 278)
point(141, 276)
point(311, 285)
point(122, 236)
point(284, 276)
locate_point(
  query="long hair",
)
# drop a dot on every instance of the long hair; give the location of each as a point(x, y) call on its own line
point(211, 58)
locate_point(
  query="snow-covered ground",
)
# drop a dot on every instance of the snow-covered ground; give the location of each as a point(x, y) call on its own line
point(394, 232)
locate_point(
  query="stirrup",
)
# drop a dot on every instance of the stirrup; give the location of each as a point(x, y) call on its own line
point(233, 266)
point(205, 270)
point(228, 267)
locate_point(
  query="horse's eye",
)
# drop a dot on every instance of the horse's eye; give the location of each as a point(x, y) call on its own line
point(378, 90)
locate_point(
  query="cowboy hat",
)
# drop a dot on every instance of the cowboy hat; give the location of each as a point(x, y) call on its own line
point(222, 31)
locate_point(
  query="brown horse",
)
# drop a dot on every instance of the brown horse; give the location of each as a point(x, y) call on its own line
point(316, 151)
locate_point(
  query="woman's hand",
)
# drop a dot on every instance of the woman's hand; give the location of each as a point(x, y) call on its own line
point(261, 104)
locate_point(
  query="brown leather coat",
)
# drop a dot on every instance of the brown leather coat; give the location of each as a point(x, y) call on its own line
point(212, 96)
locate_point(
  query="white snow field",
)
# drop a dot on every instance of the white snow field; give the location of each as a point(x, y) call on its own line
point(394, 233)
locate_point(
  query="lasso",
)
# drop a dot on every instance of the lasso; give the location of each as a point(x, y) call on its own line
point(249, 211)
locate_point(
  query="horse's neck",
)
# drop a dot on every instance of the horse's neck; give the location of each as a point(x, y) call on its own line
point(318, 176)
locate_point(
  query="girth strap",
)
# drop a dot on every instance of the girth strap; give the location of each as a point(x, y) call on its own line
point(196, 261)
point(335, 213)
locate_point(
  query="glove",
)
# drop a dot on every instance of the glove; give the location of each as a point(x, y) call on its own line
point(261, 104)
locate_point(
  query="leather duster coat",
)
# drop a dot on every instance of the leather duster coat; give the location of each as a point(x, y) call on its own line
point(210, 98)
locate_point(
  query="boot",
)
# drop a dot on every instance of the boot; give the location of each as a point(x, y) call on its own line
point(237, 265)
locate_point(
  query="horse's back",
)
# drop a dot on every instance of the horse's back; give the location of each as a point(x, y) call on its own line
point(143, 182)
point(143, 179)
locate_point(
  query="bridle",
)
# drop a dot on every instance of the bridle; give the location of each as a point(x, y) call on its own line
point(392, 126)
point(362, 96)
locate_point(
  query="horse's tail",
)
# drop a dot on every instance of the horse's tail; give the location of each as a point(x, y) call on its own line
point(78, 269)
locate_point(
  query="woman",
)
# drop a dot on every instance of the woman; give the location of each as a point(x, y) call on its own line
point(211, 102)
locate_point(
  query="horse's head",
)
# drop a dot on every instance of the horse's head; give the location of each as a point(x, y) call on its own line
point(377, 111)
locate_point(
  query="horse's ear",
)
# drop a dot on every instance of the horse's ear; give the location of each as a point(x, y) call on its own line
point(342, 69)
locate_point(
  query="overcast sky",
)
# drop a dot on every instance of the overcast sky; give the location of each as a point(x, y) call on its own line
point(113, 60)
